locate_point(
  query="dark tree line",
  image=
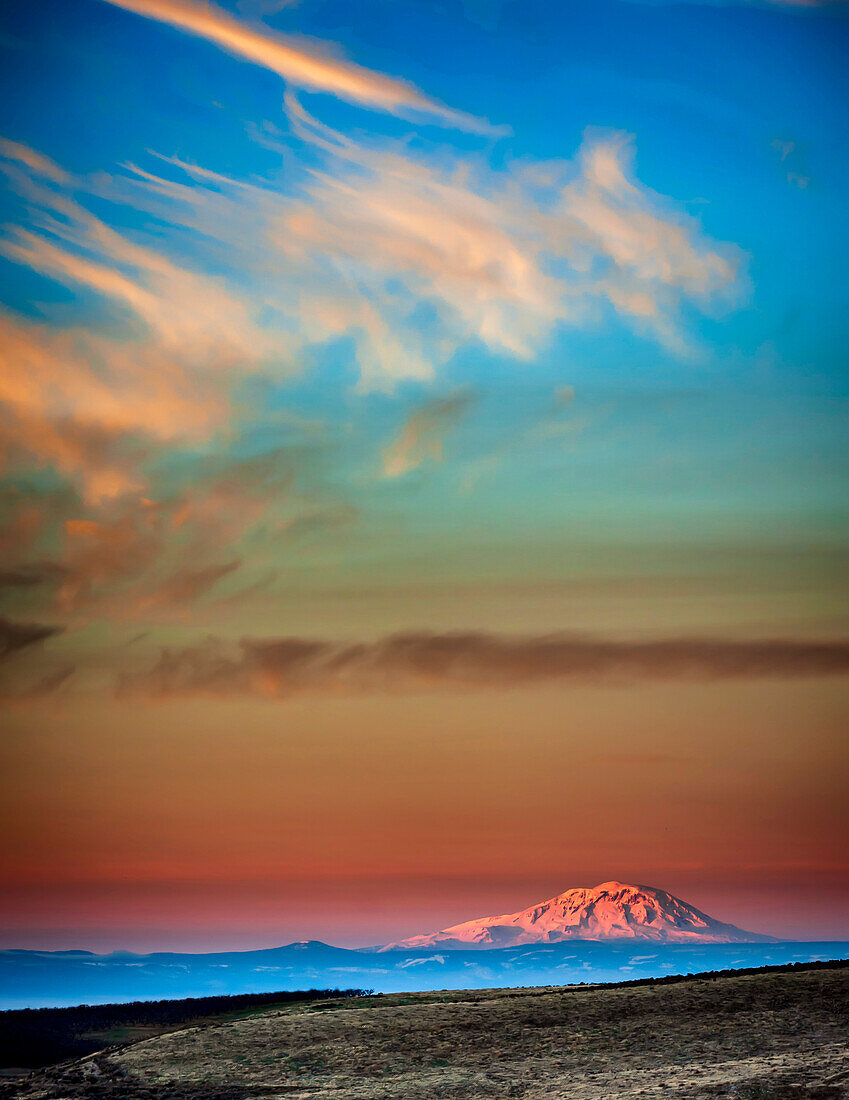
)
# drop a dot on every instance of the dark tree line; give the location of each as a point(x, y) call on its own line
point(33, 1037)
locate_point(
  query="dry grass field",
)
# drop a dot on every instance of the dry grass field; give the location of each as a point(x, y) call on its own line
point(753, 1037)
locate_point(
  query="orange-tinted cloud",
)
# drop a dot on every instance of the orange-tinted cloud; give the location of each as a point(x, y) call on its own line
point(187, 585)
point(102, 552)
point(22, 521)
point(91, 405)
point(190, 314)
point(421, 438)
point(36, 162)
point(146, 557)
point(299, 65)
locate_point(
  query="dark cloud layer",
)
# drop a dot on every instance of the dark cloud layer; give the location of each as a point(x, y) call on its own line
point(280, 667)
point(30, 575)
point(16, 636)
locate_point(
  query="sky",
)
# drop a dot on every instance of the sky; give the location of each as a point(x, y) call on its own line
point(423, 464)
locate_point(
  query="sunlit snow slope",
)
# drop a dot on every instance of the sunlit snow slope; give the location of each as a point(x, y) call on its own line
point(610, 911)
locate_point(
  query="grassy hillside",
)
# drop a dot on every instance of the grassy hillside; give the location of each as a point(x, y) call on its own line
point(44, 1036)
point(767, 1035)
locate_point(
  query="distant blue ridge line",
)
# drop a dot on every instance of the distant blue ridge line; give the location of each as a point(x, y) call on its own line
point(33, 979)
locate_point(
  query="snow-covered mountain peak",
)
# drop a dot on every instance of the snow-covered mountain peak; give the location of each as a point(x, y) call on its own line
point(610, 911)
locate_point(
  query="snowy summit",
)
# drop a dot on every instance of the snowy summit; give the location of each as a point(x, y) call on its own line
point(610, 911)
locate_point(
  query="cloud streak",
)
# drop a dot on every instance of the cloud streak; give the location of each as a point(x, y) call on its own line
point(22, 676)
point(312, 69)
point(17, 636)
point(278, 668)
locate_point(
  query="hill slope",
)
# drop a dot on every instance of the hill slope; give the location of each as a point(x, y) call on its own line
point(770, 1036)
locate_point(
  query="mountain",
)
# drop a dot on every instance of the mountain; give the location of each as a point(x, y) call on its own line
point(610, 911)
point(30, 979)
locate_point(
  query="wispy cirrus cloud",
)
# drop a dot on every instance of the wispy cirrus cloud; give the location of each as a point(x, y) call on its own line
point(312, 67)
point(91, 404)
point(356, 247)
point(37, 163)
point(285, 666)
point(421, 438)
point(408, 252)
point(361, 244)
point(189, 313)
point(504, 256)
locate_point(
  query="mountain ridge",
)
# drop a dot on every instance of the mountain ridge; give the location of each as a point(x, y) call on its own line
point(610, 911)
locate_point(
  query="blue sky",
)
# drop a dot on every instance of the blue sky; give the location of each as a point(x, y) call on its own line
point(331, 320)
point(438, 281)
